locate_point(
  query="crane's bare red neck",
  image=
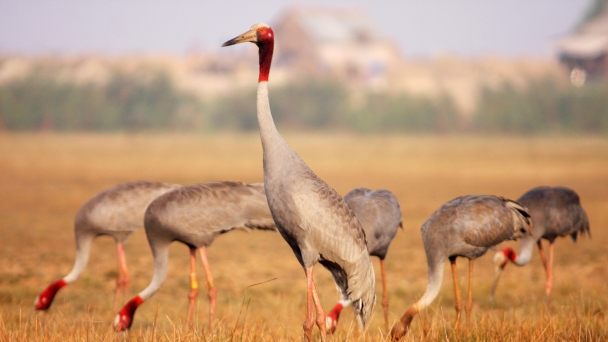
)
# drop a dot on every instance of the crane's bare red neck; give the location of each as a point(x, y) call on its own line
point(125, 315)
point(45, 299)
point(265, 45)
point(335, 312)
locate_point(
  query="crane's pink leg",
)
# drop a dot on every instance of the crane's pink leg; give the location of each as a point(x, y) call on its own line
point(309, 323)
point(211, 290)
point(384, 295)
point(320, 313)
point(469, 304)
point(542, 254)
point(309, 320)
point(549, 283)
point(124, 279)
point(456, 292)
point(193, 285)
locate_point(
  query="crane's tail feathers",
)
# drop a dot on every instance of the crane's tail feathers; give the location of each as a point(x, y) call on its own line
point(362, 290)
point(521, 218)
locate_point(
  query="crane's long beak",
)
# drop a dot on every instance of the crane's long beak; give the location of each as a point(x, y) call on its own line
point(249, 36)
point(497, 274)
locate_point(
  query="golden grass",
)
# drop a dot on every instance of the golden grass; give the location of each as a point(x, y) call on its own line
point(44, 178)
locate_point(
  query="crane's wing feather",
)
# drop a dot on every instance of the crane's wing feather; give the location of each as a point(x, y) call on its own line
point(489, 220)
point(216, 207)
point(332, 229)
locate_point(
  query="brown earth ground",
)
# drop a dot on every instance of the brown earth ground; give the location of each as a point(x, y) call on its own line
point(44, 178)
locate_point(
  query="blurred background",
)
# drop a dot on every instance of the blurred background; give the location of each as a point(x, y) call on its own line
point(517, 67)
point(429, 99)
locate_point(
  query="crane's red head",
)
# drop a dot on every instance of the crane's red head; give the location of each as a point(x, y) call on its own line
point(502, 257)
point(44, 299)
point(263, 36)
point(124, 319)
point(331, 320)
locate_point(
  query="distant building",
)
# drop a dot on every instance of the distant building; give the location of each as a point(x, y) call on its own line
point(585, 50)
point(340, 42)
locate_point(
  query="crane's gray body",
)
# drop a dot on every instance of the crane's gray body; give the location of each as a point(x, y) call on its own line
point(555, 211)
point(379, 213)
point(467, 226)
point(196, 214)
point(118, 211)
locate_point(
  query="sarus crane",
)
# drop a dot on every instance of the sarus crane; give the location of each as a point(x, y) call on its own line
point(555, 211)
point(463, 227)
point(310, 215)
point(195, 215)
point(117, 211)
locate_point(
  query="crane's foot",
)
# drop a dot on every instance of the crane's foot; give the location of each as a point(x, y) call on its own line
point(307, 326)
point(321, 324)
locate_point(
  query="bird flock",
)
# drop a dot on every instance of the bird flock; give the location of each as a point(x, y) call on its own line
point(318, 224)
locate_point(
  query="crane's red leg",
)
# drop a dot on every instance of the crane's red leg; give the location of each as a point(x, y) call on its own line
point(320, 313)
point(549, 283)
point(124, 279)
point(456, 292)
point(309, 320)
point(211, 290)
point(193, 285)
point(384, 295)
point(542, 254)
point(469, 304)
point(309, 323)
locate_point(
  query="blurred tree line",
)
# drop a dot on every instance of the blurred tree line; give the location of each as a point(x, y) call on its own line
point(545, 106)
point(129, 103)
point(123, 103)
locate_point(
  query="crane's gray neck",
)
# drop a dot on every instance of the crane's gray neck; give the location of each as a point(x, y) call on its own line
point(268, 131)
point(83, 250)
point(526, 247)
point(161, 266)
point(433, 286)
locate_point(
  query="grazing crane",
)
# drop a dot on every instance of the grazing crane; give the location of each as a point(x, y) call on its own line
point(117, 211)
point(310, 215)
point(555, 212)
point(463, 227)
point(380, 216)
point(195, 215)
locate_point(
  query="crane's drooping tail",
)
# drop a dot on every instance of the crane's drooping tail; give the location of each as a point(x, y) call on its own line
point(522, 221)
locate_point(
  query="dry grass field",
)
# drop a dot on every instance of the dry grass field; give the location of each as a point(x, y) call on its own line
point(44, 178)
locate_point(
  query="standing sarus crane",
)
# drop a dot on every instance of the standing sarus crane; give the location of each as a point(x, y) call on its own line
point(463, 227)
point(379, 213)
point(555, 211)
point(117, 211)
point(195, 215)
point(310, 215)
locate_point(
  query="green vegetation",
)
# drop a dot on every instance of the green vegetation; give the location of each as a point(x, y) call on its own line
point(124, 103)
point(543, 107)
point(128, 103)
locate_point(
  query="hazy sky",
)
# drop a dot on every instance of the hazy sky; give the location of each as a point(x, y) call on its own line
point(420, 27)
